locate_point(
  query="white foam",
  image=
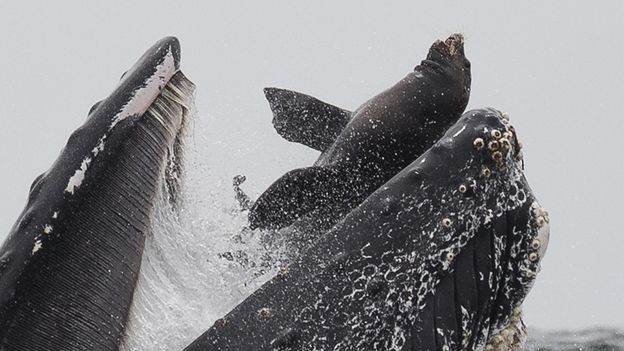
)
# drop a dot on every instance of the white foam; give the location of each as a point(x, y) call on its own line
point(184, 286)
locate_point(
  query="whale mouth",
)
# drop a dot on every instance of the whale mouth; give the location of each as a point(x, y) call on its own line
point(440, 257)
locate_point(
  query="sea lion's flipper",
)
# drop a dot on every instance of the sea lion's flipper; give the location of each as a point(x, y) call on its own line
point(304, 119)
point(292, 196)
point(242, 198)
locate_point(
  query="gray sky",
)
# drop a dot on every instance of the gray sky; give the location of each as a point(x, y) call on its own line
point(557, 70)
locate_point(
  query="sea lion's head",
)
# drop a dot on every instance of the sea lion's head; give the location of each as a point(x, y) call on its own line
point(447, 58)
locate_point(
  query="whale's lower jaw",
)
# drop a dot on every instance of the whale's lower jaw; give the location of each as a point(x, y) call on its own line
point(73, 258)
point(439, 257)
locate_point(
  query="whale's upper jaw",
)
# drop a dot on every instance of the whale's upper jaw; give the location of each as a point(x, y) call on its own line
point(443, 254)
point(512, 233)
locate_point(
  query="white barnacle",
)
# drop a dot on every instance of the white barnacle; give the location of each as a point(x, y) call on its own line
point(463, 188)
point(533, 257)
point(543, 214)
point(265, 313)
point(47, 229)
point(497, 156)
point(478, 143)
point(505, 144)
point(486, 172)
point(446, 222)
point(494, 145)
point(543, 234)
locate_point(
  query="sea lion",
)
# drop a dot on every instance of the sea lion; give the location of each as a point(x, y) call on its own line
point(363, 149)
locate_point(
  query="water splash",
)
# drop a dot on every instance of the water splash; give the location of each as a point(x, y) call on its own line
point(199, 263)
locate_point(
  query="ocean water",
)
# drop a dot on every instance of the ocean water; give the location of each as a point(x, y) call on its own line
point(596, 339)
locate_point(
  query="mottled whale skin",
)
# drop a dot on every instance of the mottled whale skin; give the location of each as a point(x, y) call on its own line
point(363, 149)
point(69, 266)
point(439, 258)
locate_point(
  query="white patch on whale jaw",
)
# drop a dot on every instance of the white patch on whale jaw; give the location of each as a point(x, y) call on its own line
point(137, 105)
point(76, 180)
point(143, 97)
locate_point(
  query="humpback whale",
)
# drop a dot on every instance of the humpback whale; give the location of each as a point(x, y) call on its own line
point(362, 149)
point(69, 265)
point(440, 257)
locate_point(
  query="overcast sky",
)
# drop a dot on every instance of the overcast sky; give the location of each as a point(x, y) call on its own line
point(557, 70)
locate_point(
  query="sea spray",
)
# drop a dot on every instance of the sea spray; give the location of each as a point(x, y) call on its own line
point(200, 261)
